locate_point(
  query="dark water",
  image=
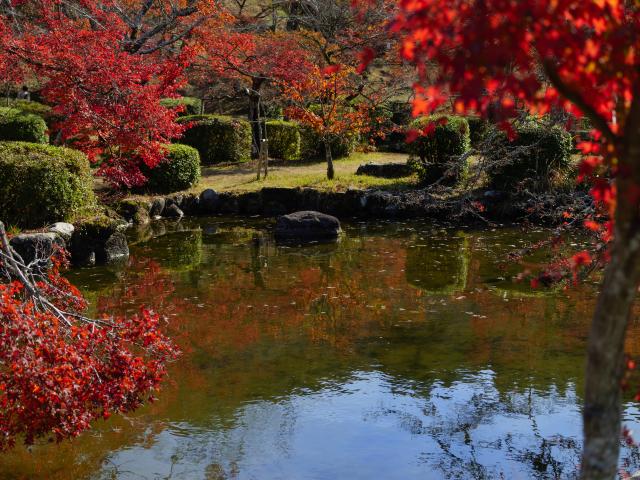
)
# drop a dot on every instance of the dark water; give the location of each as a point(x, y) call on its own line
point(405, 351)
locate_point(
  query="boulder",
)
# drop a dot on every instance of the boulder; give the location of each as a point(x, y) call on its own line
point(157, 207)
point(134, 211)
point(99, 240)
point(279, 200)
point(307, 225)
point(190, 204)
point(385, 170)
point(209, 201)
point(62, 229)
point(173, 211)
point(36, 246)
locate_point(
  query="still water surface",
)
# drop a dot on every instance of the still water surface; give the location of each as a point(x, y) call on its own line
point(405, 351)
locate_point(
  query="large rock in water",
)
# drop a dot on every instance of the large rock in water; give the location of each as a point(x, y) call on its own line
point(38, 247)
point(307, 225)
point(99, 240)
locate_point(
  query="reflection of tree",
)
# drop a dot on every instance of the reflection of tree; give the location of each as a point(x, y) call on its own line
point(438, 263)
point(259, 322)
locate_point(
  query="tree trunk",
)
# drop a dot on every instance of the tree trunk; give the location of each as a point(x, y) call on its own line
point(602, 414)
point(254, 115)
point(327, 154)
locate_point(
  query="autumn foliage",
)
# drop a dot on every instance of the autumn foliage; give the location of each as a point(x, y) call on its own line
point(104, 87)
point(60, 370)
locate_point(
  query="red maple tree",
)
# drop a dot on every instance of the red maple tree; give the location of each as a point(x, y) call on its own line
point(581, 56)
point(323, 102)
point(104, 70)
point(62, 370)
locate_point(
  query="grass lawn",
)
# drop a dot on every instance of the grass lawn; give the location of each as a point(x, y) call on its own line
point(242, 177)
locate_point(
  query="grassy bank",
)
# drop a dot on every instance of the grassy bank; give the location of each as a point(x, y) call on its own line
point(242, 177)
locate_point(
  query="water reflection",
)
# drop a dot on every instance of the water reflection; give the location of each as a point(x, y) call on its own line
point(403, 351)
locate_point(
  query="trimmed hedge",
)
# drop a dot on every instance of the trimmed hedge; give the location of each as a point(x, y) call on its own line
point(217, 138)
point(179, 171)
point(284, 139)
point(312, 147)
point(36, 108)
point(42, 184)
point(436, 156)
point(192, 105)
point(536, 154)
point(18, 126)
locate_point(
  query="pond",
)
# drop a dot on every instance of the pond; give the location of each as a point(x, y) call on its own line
point(404, 351)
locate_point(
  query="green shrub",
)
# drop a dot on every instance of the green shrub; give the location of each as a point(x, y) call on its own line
point(180, 170)
point(36, 108)
point(284, 139)
point(312, 147)
point(532, 159)
point(192, 105)
point(41, 184)
point(218, 139)
point(18, 126)
point(437, 157)
point(394, 117)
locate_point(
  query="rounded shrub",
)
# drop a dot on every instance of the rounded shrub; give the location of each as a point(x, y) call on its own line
point(284, 139)
point(192, 105)
point(312, 147)
point(179, 171)
point(42, 184)
point(532, 159)
point(28, 106)
point(437, 157)
point(18, 126)
point(218, 139)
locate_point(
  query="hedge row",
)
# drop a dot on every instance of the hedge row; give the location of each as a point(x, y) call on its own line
point(192, 105)
point(41, 184)
point(217, 138)
point(284, 139)
point(19, 126)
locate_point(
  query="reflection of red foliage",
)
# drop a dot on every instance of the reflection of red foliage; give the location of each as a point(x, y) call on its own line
point(62, 371)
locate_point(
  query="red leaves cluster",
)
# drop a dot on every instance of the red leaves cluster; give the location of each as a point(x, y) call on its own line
point(105, 97)
point(490, 53)
point(320, 101)
point(58, 374)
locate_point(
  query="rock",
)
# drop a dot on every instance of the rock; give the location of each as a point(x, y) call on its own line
point(209, 201)
point(385, 170)
point(173, 211)
point(228, 203)
point(157, 207)
point(250, 203)
point(307, 225)
point(190, 205)
point(115, 249)
point(99, 240)
point(278, 200)
point(134, 211)
point(175, 200)
point(37, 246)
point(64, 230)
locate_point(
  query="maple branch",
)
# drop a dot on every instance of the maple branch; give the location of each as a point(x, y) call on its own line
point(577, 99)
